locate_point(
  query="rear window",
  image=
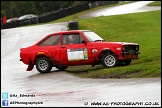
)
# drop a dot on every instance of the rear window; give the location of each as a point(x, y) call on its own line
point(53, 40)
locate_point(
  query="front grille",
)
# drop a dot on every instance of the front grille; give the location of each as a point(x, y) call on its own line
point(130, 51)
point(130, 48)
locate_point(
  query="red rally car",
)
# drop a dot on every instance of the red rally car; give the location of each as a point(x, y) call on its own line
point(77, 47)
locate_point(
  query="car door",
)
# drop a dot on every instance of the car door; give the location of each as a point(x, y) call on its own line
point(74, 50)
point(51, 46)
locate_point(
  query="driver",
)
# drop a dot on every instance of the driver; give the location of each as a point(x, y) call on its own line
point(71, 39)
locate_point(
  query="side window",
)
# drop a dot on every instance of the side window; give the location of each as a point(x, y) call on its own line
point(72, 39)
point(53, 40)
point(65, 39)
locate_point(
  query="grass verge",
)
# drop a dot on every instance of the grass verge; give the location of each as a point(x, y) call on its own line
point(143, 28)
point(156, 3)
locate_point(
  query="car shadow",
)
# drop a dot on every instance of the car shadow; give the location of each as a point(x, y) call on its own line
point(38, 74)
point(83, 69)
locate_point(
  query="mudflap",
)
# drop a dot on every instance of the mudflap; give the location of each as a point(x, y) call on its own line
point(94, 63)
point(30, 66)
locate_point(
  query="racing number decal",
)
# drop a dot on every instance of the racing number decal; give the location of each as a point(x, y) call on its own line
point(77, 54)
point(85, 54)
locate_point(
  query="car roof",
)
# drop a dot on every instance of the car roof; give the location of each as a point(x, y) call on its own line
point(69, 31)
point(24, 16)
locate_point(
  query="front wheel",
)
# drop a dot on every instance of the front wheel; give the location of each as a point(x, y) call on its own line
point(109, 60)
point(43, 65)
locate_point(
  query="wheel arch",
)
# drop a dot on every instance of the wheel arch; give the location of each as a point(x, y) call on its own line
point(41, 55)
point(103, 52)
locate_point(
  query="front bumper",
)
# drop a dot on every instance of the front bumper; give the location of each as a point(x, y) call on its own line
point(130, 53)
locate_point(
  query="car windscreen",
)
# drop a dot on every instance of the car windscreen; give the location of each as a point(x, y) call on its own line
point(22, 17)
point(27, 17)
point(92, 36)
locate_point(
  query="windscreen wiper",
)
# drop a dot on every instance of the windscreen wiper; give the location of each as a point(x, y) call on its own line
point(99, 40)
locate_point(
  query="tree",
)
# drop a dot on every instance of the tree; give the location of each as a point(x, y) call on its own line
point(19, 8)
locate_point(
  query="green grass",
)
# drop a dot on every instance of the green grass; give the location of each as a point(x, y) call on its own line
point(156, 3)
point(143, 28)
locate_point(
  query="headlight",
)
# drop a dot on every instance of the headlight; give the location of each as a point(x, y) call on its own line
point(137, 48)
point(125, 48)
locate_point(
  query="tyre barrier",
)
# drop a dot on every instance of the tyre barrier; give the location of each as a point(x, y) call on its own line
point(73, 24)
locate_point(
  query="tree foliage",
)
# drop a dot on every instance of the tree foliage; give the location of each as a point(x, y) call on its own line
point(18, 8)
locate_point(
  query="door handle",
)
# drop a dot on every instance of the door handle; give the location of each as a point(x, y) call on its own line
point(63, 46)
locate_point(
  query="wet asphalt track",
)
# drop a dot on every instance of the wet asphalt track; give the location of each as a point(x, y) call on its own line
point(134, 7)
point(61, 89)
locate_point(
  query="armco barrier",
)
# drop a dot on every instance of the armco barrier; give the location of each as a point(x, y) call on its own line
point(62, 13)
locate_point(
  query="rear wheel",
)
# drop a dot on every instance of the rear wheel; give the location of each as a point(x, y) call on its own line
point(43, 65)
point(61, 67)
point(109, 60)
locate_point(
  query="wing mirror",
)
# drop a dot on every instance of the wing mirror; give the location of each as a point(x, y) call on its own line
point(84, 42)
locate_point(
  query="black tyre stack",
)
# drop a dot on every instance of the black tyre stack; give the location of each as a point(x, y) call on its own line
point(73, 24)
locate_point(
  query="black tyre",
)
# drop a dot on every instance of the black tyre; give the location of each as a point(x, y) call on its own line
point(124, 63)
point(61, 67)
point(73, 25)
point(109, 60)
point(43, 65)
